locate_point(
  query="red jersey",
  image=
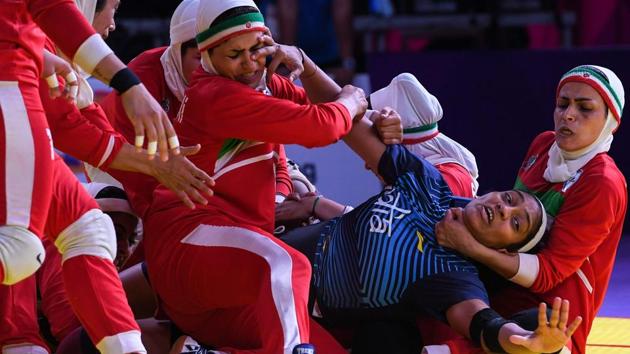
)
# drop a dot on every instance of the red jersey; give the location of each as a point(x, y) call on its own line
point(589, 211)
point(22, 41)
point(237, 128)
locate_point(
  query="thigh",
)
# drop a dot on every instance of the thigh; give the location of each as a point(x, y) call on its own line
point(26, 156)
point(70, 200)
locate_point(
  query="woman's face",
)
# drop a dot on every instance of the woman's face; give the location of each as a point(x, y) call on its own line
point(190, 61)
point(233, 59)
point(579, 116)
point(104, 20)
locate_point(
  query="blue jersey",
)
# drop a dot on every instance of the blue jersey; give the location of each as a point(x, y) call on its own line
point(386, 249)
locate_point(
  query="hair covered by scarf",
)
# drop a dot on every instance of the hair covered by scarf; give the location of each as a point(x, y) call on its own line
point(420, 112)
point(182, 30)
point(562, 165)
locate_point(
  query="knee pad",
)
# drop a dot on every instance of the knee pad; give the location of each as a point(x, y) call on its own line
point(93, 234)
point(21, 253)
point(24, 348)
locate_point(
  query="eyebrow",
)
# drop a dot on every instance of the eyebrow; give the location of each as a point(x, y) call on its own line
point(529, 218)
point(580, 99)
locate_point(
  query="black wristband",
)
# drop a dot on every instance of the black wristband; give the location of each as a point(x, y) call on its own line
point(123, 80)
point(479, 322)
point(491, 334)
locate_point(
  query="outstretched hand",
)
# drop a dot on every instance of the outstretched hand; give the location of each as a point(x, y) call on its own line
point(550, 336)
point(389, 126)
point(178, 174)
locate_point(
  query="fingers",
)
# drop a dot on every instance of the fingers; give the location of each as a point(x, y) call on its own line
point(72, 85)
point(519, 340)
point(555, 312)
point(574, 325)
point(564, 315)
point(190, 150)
point(457, 213)
point(542, 315)
point(53, 85)
point(184, 198)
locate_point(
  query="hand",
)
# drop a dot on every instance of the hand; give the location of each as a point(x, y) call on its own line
point(354, 99)
point(292, 209)
point(388, 125)
point(550, 336)
point(53, 66)
point(148, 117)
point(451, 232)
point(184, 178)
point(290, 56)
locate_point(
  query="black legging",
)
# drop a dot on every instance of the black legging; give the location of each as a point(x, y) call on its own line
point(304, 239)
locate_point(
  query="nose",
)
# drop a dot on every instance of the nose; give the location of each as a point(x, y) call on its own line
point(504, 211)
point(569, 114)
point(248, 63)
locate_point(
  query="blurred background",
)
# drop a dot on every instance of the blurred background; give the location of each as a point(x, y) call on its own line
point(493, 64)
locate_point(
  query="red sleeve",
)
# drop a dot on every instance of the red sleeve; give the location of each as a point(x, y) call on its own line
point(85, 134)
point(282, 87)
point(62, 21)
point(458, 179)
point(226, 109)
point(585, 220)
point(284, 185)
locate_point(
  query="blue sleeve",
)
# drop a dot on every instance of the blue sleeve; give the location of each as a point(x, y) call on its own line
point(397, 160)
point(435, 294)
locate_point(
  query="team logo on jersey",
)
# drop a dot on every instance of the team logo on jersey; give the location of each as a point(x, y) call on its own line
point(530, 162)
point(571, 181)
point(385, 211)
point(420, 241)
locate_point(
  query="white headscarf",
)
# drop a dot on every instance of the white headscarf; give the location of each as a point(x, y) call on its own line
point(562, 165)
point(420, 111)
point(208, 35)
point(182, 30)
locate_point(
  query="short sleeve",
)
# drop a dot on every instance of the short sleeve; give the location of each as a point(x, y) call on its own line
point(435, 294)
point(397, 160)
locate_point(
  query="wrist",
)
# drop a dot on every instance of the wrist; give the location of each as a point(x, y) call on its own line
point(314, 205)
point(123, 80)
point(310, 68)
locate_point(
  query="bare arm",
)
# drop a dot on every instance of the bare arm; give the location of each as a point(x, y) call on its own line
point(550, 336)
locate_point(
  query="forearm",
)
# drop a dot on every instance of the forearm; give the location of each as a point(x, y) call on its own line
point(363, 140)
point(318, 86)
point(503, 264)
point(128, 159)
point(326, 209)
point(107, 68)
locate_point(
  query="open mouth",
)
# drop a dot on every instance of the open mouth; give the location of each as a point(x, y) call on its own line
point(564, 131)
point(489, 214)
point(250, 78)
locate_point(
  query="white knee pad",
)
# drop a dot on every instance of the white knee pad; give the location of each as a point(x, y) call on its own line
point(21, 253)
point(25, 348)
point(92, 234)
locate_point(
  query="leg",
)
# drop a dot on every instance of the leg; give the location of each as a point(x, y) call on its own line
point(86, 239)
point(238, 289)
point(25, 181)
point(19, 330)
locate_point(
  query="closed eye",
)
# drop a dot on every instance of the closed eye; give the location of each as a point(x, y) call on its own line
point(516, 223)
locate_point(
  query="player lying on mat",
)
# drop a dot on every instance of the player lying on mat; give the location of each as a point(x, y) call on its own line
point(382, 259)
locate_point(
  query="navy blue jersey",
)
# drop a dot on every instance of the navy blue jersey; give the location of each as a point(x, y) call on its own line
point(375, 254)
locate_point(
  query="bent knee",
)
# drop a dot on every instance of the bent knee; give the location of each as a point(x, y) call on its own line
point(21, 253)
point(93, 234)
